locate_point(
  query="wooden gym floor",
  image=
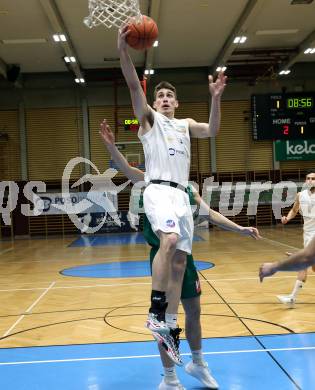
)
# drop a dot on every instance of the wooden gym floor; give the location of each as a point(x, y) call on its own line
point(40, 306)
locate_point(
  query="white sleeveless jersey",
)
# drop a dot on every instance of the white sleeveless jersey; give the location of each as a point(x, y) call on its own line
point(167, 150)
point(307, 210)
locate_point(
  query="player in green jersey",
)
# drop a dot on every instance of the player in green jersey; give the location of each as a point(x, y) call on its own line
point(190, 296)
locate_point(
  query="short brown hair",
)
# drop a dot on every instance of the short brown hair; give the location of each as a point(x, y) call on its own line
point(164, 85)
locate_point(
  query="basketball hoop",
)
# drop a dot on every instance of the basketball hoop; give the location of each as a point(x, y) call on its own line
point(112, 13)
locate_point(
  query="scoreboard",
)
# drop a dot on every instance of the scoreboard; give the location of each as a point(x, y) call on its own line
point(131, 124)
point(283, 116)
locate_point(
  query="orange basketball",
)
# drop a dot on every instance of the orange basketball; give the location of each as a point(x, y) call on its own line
point(142, 35)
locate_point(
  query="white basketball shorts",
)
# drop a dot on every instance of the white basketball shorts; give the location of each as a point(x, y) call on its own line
point(169, 211)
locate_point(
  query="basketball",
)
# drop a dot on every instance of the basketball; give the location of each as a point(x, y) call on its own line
point(142, 35)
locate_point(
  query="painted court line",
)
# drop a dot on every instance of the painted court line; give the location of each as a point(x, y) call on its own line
point(29, 309)
point(218, 280)
point(6, 251)
point(152, 356)
point(281, 243)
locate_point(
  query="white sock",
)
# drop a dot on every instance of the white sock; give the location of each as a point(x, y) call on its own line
point(197, 357)
point(170, 374)
point(297, 287)
point(171, 320)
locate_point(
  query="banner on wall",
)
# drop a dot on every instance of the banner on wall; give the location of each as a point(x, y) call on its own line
point(295, 150)
point(74, 198)
point(109, 225)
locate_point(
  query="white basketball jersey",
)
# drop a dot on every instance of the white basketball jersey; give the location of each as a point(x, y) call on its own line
point(167, 150)
point(307, 210)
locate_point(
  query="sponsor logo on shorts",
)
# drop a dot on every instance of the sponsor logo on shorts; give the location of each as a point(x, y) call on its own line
point(170, 223)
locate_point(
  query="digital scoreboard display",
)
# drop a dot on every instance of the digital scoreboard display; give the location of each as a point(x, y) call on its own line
point(131, 124)
point(283, 116)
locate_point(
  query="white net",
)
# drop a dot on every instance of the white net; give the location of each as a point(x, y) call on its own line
point(112, 12)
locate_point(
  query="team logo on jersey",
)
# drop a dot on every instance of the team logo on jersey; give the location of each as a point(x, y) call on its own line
point(181, 129)
point(170, 223)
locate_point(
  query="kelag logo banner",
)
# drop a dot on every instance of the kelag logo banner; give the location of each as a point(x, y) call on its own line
point(295, 150)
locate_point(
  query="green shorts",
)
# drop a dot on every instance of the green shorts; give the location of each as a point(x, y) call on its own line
point(191, 285)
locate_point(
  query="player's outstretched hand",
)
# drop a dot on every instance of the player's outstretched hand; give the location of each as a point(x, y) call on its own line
point(251, 231)
point(267, 269)
point(107, 135)
point(216, 88)
point(284, 220)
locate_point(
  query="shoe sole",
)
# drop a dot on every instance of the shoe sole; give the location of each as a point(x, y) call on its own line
point(158, 337)
point(162, 331)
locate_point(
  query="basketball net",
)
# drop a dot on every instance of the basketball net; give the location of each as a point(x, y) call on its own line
point(112, 13)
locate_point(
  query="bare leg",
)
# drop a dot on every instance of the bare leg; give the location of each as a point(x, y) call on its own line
point(174, 288)
point(162, 261)
point(192, 322)
point(302, 275)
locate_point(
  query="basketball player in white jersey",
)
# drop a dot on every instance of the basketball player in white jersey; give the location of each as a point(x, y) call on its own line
point(166, 144)
point(305, 204)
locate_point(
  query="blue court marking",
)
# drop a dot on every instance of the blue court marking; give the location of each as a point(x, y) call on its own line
point(298, 361)
point(114, 239)
point(238, 363)
point(120, 269)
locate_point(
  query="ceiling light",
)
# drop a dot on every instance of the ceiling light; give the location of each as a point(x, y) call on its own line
point(72, 59)
point(221, 69)
point(156, 44)
point(67, 59)
point(79, 80)
point(149, 71)
point(59, 37)
point(240, 39)
point(285, 72)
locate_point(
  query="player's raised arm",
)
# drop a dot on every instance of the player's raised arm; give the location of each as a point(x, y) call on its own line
point(108, 138)
point(211, 129)
point(139, 102)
